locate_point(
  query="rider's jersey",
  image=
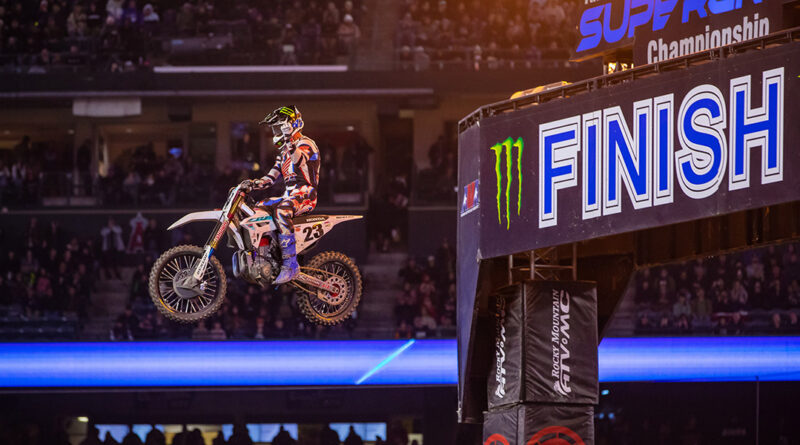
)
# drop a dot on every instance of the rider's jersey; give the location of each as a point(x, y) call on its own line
point(298, 164)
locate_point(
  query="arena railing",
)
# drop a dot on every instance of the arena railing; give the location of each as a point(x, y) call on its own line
point(771, 40)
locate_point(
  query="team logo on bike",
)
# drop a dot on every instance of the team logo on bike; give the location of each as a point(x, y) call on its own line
point(505, 164)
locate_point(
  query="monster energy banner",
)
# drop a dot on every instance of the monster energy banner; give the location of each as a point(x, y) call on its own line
point(540, 424)
point(545, 344)
point(678, 146)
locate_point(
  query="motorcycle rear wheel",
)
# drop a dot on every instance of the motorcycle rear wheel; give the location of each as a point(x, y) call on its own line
point(177, 261)
point(338, 268)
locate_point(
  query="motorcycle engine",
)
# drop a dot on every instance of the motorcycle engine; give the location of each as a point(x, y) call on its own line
point(255, 267)
point(263, 269)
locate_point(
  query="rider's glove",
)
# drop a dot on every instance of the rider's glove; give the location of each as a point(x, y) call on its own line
point(261, 183)
point(246, 185)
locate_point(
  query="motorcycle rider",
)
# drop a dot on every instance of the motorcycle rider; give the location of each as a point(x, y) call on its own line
point(298, 164)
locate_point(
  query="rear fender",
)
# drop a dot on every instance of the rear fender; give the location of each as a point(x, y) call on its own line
point(308, 229)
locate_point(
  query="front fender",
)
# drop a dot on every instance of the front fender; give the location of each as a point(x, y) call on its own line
point(208, 215)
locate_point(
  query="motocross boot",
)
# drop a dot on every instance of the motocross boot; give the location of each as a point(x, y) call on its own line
point(289, 268)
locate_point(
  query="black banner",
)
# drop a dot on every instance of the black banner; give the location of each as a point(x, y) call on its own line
point(661, 30)
point(681, 145)
point(505, 376)
point(539, 424)
point(545, 344)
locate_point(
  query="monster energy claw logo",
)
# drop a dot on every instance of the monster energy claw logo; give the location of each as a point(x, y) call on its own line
point(508, 147)
point(287, 111)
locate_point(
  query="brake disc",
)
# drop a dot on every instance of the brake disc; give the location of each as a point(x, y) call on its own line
point(335, 299)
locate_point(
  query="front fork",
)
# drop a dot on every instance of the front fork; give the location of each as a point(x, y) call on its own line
point(219, 230)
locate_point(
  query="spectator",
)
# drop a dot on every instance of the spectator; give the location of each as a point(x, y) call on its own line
point(682, 324)
point(186, 19)
point(77, 22)
point(736, 326)
point(220, 440)
point(792, 326)
point(328, 436)
point(775, 294)
point(330, 28)
point(120, 332)
point(129, 320)
point(755, 270)
point(348, 34)
point(410, 273)
point(353, 438)
point(149, 14)
point(283, 438)
point(403, 331)
point(665, 323)
point(217, 333)
point(155, 437)
point(424, 324)
point(131, 438)
point(94, 18)
point(92, 436)
point(701, 307)
point(681, 307)
point(112, 247)
point(240, 435)
point(758, 298)
point(793, 294)
point(201, 332)
point(776, 323)
point(114, 9)
point(260, 330)
point(739, 295)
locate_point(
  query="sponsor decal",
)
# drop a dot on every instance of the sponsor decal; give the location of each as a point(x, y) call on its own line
point(496, 439)
point(556, 435)
point(560, 343)
point(318, 218)
point(471, 199)
point(659, 30)
point(504, 156)
point(751, 27)
point(500, 348)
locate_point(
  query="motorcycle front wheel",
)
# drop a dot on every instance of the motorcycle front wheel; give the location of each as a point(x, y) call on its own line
point(176, 299)
point(321, 307)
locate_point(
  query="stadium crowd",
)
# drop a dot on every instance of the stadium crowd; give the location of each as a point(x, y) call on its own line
point(32, 171)
point(478, 34)
point(34, 434)
point(426, 304)
point(46, 282)
point(126, 35)
point(437, 183)
point(749, 292)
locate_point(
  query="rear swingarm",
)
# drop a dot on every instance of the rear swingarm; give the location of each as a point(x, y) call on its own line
point(316, 282)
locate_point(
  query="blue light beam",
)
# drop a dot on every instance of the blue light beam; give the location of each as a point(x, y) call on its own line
point(385, 362)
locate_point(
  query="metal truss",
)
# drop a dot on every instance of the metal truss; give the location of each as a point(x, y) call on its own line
point(542, 264)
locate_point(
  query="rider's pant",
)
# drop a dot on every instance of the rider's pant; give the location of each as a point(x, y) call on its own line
point(294, 202)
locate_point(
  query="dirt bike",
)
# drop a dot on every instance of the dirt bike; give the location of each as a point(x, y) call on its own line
point(188, 284)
